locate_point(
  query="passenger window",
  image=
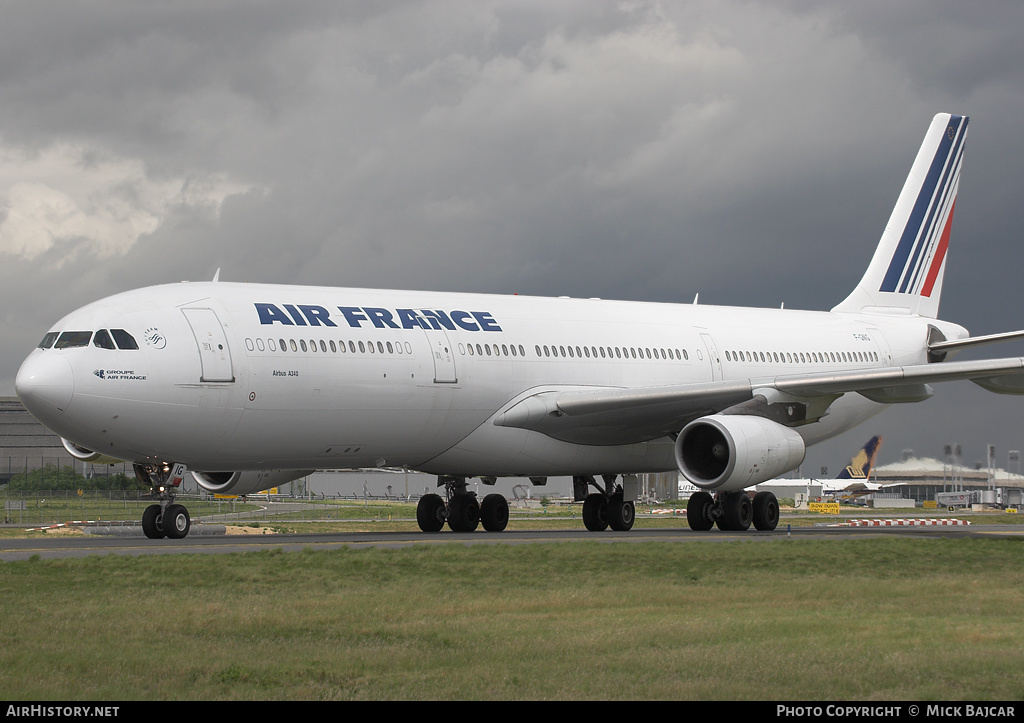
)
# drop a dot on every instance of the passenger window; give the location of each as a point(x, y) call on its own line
point(124, 339)
point(103, 340)
point(73, 339)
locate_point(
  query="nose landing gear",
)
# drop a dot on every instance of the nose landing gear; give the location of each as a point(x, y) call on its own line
point(164, 519)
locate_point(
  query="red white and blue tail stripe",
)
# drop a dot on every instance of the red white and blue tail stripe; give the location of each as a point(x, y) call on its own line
point(907, 268)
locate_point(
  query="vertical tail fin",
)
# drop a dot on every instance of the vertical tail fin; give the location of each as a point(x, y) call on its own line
point(863, 462)
point(910, 260)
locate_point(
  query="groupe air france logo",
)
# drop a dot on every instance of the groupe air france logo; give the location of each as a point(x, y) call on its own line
point(120, 375)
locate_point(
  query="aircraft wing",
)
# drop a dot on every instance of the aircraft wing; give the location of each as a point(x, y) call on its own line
point(606, 415)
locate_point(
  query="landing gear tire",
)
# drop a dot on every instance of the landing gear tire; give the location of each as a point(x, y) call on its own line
point(766, 512)
point(152, 522)
point(463, 512)
point(494, 513)
point(595, 512)
point(176, 522)
point(737, 511)
point(621, 514)
point(165, 519)
point(430, 514)
point(698, 512)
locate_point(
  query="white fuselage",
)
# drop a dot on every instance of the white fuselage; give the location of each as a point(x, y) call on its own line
point(246, 376)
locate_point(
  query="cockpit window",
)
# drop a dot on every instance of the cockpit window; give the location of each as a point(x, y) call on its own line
point(103, 340)
point(48, 340)
point(72, 339)
point(124, 339)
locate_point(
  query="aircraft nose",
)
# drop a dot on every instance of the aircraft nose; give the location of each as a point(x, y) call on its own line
point(45, 385)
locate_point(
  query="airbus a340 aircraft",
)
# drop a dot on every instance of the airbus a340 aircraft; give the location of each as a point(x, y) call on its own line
point(248, 386)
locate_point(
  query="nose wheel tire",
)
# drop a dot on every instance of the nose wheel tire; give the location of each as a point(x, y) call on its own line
point(152, 522)
point(176, 521)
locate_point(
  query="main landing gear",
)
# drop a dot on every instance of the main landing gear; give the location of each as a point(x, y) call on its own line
point(164, 519)
point(612, 504)
point(732, 511)
point(460, 509)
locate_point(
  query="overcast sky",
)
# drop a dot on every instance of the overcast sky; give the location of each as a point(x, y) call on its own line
point(750, 152)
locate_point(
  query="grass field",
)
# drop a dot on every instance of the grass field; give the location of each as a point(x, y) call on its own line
point(873, 619)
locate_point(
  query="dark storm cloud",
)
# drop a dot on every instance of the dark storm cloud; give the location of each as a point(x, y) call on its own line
point(748, 152)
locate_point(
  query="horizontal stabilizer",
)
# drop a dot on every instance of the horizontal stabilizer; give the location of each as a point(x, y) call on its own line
point(974, 341)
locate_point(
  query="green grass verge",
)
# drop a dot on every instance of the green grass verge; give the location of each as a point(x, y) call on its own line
point(880, 619)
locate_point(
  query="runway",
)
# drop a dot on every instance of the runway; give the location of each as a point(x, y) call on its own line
point(66, 547)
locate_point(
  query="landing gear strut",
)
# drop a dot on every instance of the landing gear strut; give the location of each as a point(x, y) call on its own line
point(612, 504)
point(733, 511)
point(460, 509)
point(164, 519)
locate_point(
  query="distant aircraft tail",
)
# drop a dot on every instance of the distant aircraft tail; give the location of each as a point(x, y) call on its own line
point(907, 268)
point(863, 462)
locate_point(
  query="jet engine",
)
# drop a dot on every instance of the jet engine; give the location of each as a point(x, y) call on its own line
point(725, 453)
point(247, 482)
point(87, 455)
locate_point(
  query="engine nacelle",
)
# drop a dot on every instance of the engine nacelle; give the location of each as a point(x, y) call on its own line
point(87, 455)
point(247, 482)
point(724, 453)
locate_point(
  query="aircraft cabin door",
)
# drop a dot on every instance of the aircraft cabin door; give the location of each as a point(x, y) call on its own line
point(214, 353)
point(443, 355)
point(713, 358)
